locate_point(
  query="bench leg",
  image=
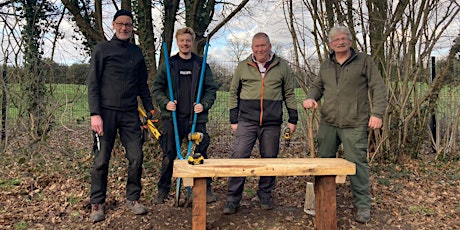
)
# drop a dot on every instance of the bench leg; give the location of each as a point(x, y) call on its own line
point(325, 203)
point(199, 204)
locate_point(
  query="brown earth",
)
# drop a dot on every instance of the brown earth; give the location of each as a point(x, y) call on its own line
point(45, 186)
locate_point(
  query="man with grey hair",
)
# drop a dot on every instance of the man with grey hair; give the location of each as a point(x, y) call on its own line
point(117, 76)
point(344, 82)
point(260, 85)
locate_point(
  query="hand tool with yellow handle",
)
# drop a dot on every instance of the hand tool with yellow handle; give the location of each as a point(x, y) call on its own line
point(148, 123)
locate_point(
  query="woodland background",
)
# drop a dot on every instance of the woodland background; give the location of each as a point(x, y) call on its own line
point(46, 143)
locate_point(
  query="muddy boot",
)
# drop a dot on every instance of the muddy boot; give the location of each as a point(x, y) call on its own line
point(231, 207)
point(363, 215)
point(97, 212)
point(136, 207)
point(160, 198)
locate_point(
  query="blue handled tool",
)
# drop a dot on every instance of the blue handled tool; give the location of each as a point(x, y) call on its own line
point(198, 96)
point(171, 98)
point(198, 99)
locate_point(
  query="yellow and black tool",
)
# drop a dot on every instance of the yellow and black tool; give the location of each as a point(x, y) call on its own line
point(287, 136)
point(195, 158)
point(148, 124)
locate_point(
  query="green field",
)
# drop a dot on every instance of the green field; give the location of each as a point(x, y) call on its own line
point(69, 104)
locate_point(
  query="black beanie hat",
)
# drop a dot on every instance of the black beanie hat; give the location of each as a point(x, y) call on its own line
point(123, 12)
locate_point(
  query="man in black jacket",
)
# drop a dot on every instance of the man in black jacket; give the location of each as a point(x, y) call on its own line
point(117, 76)
point(185, 73)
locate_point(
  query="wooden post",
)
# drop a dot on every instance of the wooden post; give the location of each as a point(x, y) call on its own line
point(199, 204)
point(325, 203)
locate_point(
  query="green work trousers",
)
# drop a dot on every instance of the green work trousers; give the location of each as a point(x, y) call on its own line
point(354, 142)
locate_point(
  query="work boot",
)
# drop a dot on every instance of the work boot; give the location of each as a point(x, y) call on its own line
point(266, 203)
point(136, 207)
point(363, 215)
point(97, 212)
point(160, 198)
point(230, 208)
point(210, 196)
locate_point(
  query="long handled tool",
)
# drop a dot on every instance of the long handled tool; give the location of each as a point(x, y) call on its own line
point(310, 132)
point(198, 96)
point(195, 115)
point(309, 206)
point(171, 98)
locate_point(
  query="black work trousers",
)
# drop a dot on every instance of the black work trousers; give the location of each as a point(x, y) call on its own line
point(127, 124)
point(168, 145)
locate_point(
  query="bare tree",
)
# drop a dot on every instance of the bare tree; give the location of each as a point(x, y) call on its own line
point(238, 48)
point(401, 37)
point(199, 15)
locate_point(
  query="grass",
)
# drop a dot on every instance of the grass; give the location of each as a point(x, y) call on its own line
point(70, 105)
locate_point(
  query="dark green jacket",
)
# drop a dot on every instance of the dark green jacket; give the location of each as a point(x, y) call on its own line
point(160, 89)
point(345, 89)
point(260, 100)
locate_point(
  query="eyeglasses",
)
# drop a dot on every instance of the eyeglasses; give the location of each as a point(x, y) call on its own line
point(340, 39)
point(127, 25)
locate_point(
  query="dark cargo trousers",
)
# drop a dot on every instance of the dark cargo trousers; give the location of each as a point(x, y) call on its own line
point(246, 136)
point(355, 141)
point(127, 123)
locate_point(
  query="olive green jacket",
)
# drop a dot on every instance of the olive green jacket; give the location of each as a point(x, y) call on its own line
point(345, 90)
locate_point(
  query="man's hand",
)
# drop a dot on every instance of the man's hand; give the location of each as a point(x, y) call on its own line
point(198, 108)
point(291, 127)
point(171, 106)
point(375, 122)
point(234, 127)
point(309, 104)
point(97, 124)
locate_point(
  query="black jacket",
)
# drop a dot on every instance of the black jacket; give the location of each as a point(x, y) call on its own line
point(117, 75)
point(160, 89)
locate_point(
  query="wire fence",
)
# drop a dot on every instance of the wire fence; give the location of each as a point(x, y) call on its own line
point(70, 107)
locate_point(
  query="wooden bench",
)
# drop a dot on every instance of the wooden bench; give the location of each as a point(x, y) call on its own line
point(325, 171)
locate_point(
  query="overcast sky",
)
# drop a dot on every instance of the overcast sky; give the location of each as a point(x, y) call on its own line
point(266, 17)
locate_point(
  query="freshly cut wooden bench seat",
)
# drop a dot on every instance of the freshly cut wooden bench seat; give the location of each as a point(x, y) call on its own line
point(325, 171)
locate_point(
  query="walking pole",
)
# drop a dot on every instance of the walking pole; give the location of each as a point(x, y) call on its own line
point(171, 98)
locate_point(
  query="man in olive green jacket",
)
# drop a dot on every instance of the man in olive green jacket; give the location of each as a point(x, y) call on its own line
point(345, 81)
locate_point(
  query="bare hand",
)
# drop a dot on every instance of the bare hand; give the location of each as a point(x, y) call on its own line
point(171, 106)
point(375, 122)
point(234, 127)
point(97, 124)
point(309, 104)
point(198, 108)
point(291, 127)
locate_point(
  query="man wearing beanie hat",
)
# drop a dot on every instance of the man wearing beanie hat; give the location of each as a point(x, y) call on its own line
point(117, 76)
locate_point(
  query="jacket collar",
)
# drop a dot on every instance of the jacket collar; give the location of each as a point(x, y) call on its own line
point(122, 42)
point(352, 55)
